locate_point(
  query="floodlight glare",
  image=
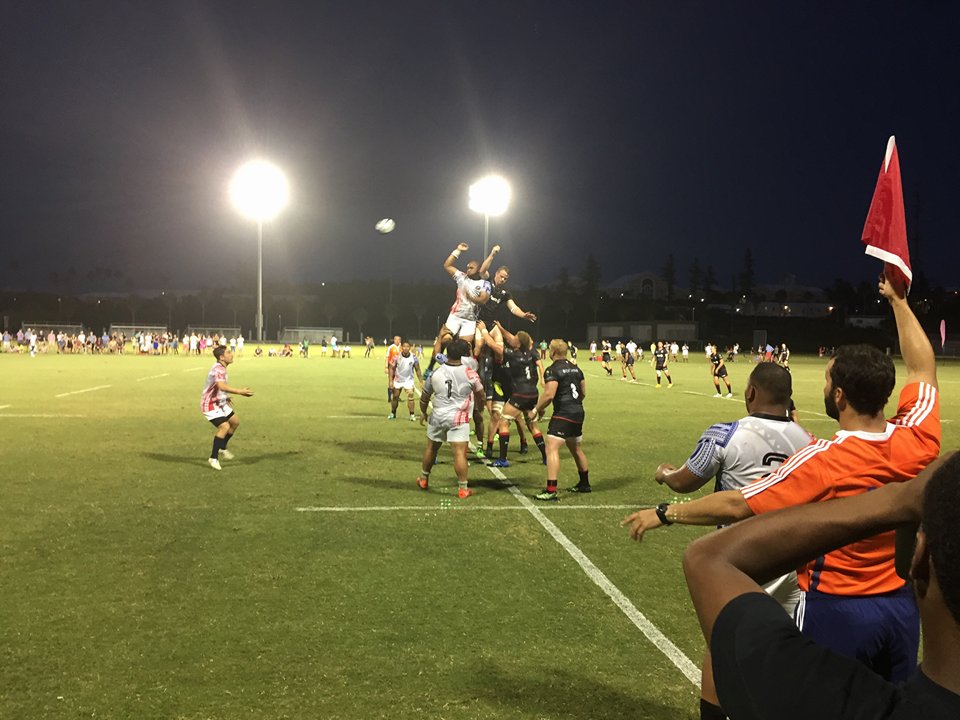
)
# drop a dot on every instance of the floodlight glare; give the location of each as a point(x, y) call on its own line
point(490, 196)
point(259, 190)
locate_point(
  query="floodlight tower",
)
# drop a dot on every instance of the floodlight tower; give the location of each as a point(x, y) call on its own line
point(259, 191)
point(490, 196)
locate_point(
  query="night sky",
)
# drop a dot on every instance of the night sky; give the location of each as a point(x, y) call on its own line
point(628, 130)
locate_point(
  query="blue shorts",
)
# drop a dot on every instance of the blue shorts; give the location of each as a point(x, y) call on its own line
point(881, 631)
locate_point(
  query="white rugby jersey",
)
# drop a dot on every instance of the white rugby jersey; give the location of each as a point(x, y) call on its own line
point(453, 387)
point(212, 396)
point(464, 306)
point(740, 452)
point(404, 367)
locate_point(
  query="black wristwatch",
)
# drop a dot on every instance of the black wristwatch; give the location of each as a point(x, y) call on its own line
point(661, 511)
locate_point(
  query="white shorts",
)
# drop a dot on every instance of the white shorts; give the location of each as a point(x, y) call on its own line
point(403, 385)
point(785, 591)
point(439, 432)
point(218, 412)
point(465, 329)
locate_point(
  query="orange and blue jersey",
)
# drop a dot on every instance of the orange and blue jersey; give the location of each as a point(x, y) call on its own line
point(849, 464)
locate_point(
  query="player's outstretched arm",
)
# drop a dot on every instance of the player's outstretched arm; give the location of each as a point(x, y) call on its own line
point(722, 565)
point(508, 337)
point(489, 340)
point(915, 346)
point(720, 508)
point(679, 479)
point(489, 259)
point(448, 264)
point(517, 312)
point(223, 387)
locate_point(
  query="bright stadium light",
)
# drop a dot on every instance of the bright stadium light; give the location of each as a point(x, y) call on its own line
point(491, 197)
point(259, 191)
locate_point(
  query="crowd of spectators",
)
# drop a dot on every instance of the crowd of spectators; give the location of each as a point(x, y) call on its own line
point(165, 342)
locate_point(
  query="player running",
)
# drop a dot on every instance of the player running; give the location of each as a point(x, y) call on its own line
point(564, 387)
point(454, 388)
point(216, 406)
point(402, 371)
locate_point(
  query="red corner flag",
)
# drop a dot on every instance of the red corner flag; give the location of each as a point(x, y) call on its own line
point(885, 231)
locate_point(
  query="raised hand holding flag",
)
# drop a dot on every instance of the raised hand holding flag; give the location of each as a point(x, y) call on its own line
point(885, 231)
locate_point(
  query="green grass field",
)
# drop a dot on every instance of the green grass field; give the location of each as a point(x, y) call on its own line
point(139, 583)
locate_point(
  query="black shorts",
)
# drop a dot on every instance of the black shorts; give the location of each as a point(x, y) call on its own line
point(496, 392)
point(628, 360)
point(566, 428)
point(722, 372)
point(661, 368)
point(524, 402)
point(217, 422)
point(606, 357)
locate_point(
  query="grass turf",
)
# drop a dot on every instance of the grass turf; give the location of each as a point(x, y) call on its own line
point(137, 582)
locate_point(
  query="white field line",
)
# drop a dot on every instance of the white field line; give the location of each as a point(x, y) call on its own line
point(814, 412)
point(23, 415)
point(198, 367)
point(355, 417)
point(4, 407)
point(458, 508)
point(85, 390)
point(153, 377)
point(651, 631)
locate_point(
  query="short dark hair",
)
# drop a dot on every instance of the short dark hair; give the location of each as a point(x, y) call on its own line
point(457, 349)
point(865, 375)
point(941, 515)
point(218, 352)
point(774, 381)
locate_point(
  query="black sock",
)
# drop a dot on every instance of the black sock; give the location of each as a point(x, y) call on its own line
point(225, 440)
point(489, 447)
point(709, 711)
point(433, 361)
point(584, 478)
point(504, 443)
point(541, 445)
point(217, 445)
point(551, 485)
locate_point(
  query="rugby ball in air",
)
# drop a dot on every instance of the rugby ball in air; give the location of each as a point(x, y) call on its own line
point(385, 226)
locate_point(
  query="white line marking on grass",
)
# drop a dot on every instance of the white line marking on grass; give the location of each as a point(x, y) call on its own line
point(85, 390)
point(198, 367)
point(19, 415)
point(4, 407)
point(458, 508)
point(356, 417)
point(710, 395)
point(814, 412)
point(651, 631)
point(153, 377)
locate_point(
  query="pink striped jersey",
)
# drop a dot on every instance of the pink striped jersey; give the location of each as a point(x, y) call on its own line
point(453, 387)
point(465, 306)
point(851, 463)
point(212, 397)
